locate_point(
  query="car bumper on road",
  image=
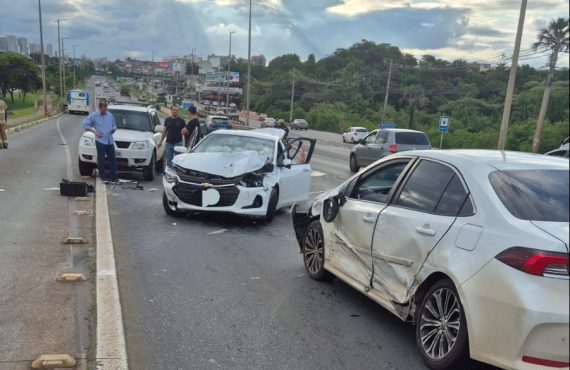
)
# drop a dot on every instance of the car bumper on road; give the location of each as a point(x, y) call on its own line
point(232, 199)
point(125, 159)
point(516, 319)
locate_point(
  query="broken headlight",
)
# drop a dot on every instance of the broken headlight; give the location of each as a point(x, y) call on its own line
point(251, 180)
point(170, 177)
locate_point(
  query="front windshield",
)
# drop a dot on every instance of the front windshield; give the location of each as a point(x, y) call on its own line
point(236, 144)
point(131, 120)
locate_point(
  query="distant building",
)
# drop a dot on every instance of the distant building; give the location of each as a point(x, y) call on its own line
point(258, 60)
point(23, 46)
point(49, 50)
point(215, 60)
point(34, 48)
point(3, 44)
point(13, 44)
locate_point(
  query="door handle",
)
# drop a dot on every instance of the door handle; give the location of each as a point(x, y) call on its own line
point(425, 230)
point(369, 219)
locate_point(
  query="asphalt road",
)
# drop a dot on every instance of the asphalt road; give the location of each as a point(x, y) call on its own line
point(208, 292)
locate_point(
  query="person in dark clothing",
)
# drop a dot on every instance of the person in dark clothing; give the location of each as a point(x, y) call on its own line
point(281, 124)
point(173, 126)
point(192, 126)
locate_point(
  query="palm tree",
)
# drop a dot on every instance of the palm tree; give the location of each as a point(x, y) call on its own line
point(555, 37)
point(415, 97)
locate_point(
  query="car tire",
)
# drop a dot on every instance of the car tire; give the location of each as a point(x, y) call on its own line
point(160, 164)
point(353, 164)
point(272, 205)
point(343, 139)
point(354, 142)
point(148, 171)
point(85, 168)
point(440, 307)
point(313, 249)
point(174, 212)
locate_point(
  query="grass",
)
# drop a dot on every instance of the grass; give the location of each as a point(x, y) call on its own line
point(22, 108)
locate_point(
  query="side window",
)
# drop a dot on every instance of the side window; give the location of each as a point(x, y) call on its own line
point(454, 200)
point(383, 137)
point(376, 187)
point(371, 138)
point(155, 119)
point(424, 187)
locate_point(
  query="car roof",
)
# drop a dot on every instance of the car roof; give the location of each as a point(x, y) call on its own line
point(275, 132)
point(245, 133)
point(400, 130)
point(493, 159)
point(216, 116)
point(358, 127)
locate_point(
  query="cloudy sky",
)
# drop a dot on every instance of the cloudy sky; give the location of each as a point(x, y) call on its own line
point(451, 29)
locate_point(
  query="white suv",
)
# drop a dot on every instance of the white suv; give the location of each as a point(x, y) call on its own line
point(136, 140)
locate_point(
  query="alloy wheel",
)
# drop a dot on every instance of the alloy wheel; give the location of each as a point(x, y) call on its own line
point(314, 251)
point(440, 323)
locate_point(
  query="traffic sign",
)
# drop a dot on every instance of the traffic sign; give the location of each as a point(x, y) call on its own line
point(443, 124)
point(387, 125)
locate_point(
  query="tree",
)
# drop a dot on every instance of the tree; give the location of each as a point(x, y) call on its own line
point(555, 37)
point(415, 97)
point(17, 73)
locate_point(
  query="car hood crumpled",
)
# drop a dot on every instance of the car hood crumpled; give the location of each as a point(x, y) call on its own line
point(221, 164)
point(131, 135)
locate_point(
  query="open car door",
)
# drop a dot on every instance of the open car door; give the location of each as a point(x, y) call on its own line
point(295, 171)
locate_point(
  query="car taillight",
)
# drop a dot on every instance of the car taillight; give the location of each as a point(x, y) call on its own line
point(393, 148)
point(536, 262)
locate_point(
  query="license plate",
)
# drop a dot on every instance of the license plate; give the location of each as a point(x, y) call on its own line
point(117, 153)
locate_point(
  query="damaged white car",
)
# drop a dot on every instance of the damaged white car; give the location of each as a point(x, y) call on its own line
point(471, 246)
point(242, 172)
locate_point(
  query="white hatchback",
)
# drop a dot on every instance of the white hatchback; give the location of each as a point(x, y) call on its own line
point(354, 135)
point(470, 245)
point(250, 173)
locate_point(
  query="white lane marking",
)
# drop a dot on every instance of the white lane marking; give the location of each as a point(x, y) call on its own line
point(1, 190)
point(111, 349)
point(51, 189)
point(317, 192)
point(317, 174)
point(67, 151)
point(331, 159)
point(218, 232)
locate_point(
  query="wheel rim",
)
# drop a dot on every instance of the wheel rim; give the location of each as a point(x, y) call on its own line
point(440, 323)
point(314, 251)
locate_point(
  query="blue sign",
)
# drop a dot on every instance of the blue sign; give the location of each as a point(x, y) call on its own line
point(186, 104)
point(443, 124)
point(387, 125)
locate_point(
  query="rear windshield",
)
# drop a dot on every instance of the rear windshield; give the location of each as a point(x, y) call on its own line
point(411, 138)
point(361, 130)
point(219, 120)
point(535, 195)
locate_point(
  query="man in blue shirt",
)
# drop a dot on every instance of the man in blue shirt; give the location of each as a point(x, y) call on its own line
point(102, 124)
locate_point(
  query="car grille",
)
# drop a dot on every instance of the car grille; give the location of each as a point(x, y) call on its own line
point(198, 177)
point(192, 194)
point(123, 144)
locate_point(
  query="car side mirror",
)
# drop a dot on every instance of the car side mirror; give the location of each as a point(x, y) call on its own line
point(159, 129)
point(286, 163)
point(180, 149)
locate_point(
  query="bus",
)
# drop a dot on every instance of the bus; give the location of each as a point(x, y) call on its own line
point(78, 101)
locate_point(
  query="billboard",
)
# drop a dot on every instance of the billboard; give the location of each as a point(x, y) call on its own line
point(222, 77)
point(161, 65)
point(234, 77)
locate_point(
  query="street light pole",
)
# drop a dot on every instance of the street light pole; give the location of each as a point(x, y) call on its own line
point(228, 76)
point(512, 78)
point(248, 68)
point(44, 89)
point(63, 65)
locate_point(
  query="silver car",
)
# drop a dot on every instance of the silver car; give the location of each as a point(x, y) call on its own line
point(381, 143)
point(299, 124)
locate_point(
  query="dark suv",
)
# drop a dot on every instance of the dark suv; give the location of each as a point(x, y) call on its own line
point(380, 143)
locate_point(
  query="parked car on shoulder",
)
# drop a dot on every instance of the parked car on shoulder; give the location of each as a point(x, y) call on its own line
point(136, 142)
point(469, 245)
point(299, 124)
point(268, 122)
point(354, 135)
point(251, 173)
point(383, 142)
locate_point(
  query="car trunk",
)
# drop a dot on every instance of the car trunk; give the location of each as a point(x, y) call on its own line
point(411, 141)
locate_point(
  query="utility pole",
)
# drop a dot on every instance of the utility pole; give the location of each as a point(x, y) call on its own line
point(248, 68)
point(63, 65)
point(292, 96)
point(74, 77)
point(44, 89)
point(59, 55)
point(387, 92)
point(228, 76)
point(512, 78)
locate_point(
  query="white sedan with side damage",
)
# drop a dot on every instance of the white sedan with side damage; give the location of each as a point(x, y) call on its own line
point(471, 246)
point(251, 173)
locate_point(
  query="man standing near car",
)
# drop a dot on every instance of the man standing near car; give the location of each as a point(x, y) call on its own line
point(173, 126)
point(102, 124)
point(192, 126)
